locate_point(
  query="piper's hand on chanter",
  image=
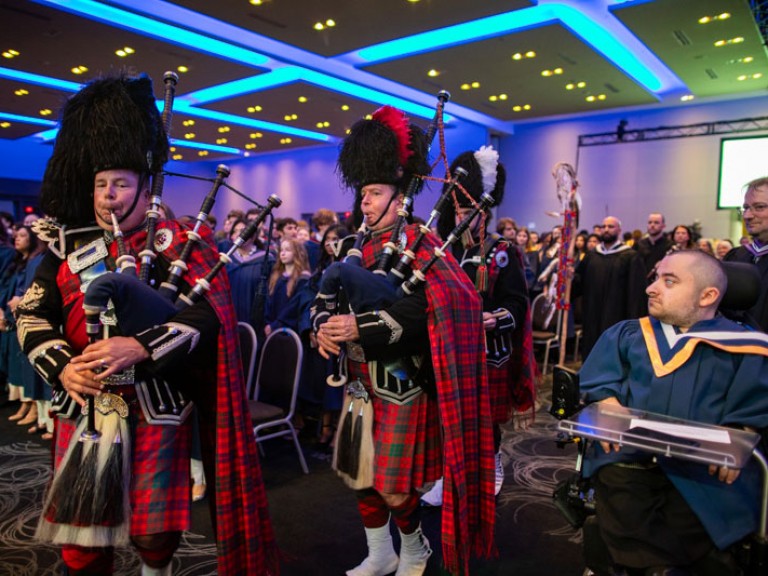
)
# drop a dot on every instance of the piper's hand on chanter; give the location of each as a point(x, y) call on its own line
point(338, 329)
point(79, 383)
point(110, 356)
point(489, 321)
point(612, 401)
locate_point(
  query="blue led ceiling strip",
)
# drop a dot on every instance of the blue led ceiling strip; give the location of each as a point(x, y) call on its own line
point(290, 74)
point(26, 119)
point(38, 80)
point(165, 32)
point(647, 70)
point(204, 146)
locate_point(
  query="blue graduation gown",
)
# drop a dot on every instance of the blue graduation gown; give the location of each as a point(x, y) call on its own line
point(704, 383)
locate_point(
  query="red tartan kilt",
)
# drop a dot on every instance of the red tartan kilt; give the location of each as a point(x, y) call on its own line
point(498, 383)
point(160, 491)
point(407, 440)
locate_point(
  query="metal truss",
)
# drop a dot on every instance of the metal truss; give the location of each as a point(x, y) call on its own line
point(621, 135)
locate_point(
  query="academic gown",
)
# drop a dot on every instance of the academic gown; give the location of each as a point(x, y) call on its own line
point(612, 287)
point(711, 386)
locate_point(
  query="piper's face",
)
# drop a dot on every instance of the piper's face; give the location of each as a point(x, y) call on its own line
point(115, 191)
point(375, 205)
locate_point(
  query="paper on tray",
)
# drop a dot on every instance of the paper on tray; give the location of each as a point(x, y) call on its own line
point(683, 431)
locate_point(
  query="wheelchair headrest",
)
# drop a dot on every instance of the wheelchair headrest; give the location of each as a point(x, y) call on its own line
point(743, 286)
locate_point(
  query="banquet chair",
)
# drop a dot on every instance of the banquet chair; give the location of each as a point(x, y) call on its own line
point(273, 401)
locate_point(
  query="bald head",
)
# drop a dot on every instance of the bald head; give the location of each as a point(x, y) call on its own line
point(688, 288)
point(611, 230)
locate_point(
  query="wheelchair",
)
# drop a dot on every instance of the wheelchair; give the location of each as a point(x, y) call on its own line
point(575, 499)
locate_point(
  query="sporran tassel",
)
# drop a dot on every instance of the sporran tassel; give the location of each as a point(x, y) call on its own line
point(481, 280)
point(88, 500)
point(341, 455)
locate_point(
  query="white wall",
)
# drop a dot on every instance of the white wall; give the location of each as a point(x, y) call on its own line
point(677, 177)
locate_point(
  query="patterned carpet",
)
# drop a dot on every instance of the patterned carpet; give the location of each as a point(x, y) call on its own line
point(314, 516)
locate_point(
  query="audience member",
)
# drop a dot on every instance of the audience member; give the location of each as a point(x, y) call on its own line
point(593, 240)
point(507, 229)
point(322, 219)
point(755, 216)
point(610, 281)
point(705, 245)
point(290, 272)
point(722, 248)
point(668, 515)
point(654, 245)
point(682, 238)
point(286, 228)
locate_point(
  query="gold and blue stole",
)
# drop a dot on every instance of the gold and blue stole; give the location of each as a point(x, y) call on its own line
point(669, 350)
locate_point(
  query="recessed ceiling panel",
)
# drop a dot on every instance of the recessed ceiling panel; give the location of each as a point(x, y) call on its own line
point(54, 43)
point(722, 54)
point(534, 73)
point(200, 131)
point(356, 23)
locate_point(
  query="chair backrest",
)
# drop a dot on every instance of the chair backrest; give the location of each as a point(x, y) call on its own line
point(277, 380)
point(544, 313)
point(248, 348)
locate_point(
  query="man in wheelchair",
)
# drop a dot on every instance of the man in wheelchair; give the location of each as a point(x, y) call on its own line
point(666, 515)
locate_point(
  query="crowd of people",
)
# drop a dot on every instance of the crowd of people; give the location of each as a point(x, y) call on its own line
point(432, 372)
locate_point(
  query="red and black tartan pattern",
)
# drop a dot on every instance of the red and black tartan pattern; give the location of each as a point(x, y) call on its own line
point(457, 343)
point(245, 539)
point(159, 491)
point(513, 385)
point(406, 439)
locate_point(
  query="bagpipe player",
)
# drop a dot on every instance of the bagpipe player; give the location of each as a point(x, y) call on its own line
point(127, 481)
point(416, 379)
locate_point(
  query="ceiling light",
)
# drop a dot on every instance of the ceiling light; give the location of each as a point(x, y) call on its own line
point(757, 75)
point(475, 84)
point(319, 26)
point(21, 92)
point(369, 117)
point(530, 54)
point(747, 59)
point(10, 54)
point(590, 98)
point(223, 129)
point(125, 51)
point(687, 98)
point(189, 135)
point(558, 70)
point(581, 84)
point(517, 56)
point(546, 73)
point(188, 122)
point(433, 73)
point(221, 140)
point(203, 153)
point(253, 109)
point(517, 108)
point(177, 156)
point(570, 86)
point(5, 124)
point(172, 148)
point(493, 98)
point(256, 2)
point(742, 77)
point(465, 86)
point(302, 99)
point(285, 140)
point(79, 70)
point(182, 69)
point(330, 23)
point(253, 135)
point(344, 107)
point(601, 96)
point(527, 107)
point(121, 53)
point(46, 112)
point(250, 146)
